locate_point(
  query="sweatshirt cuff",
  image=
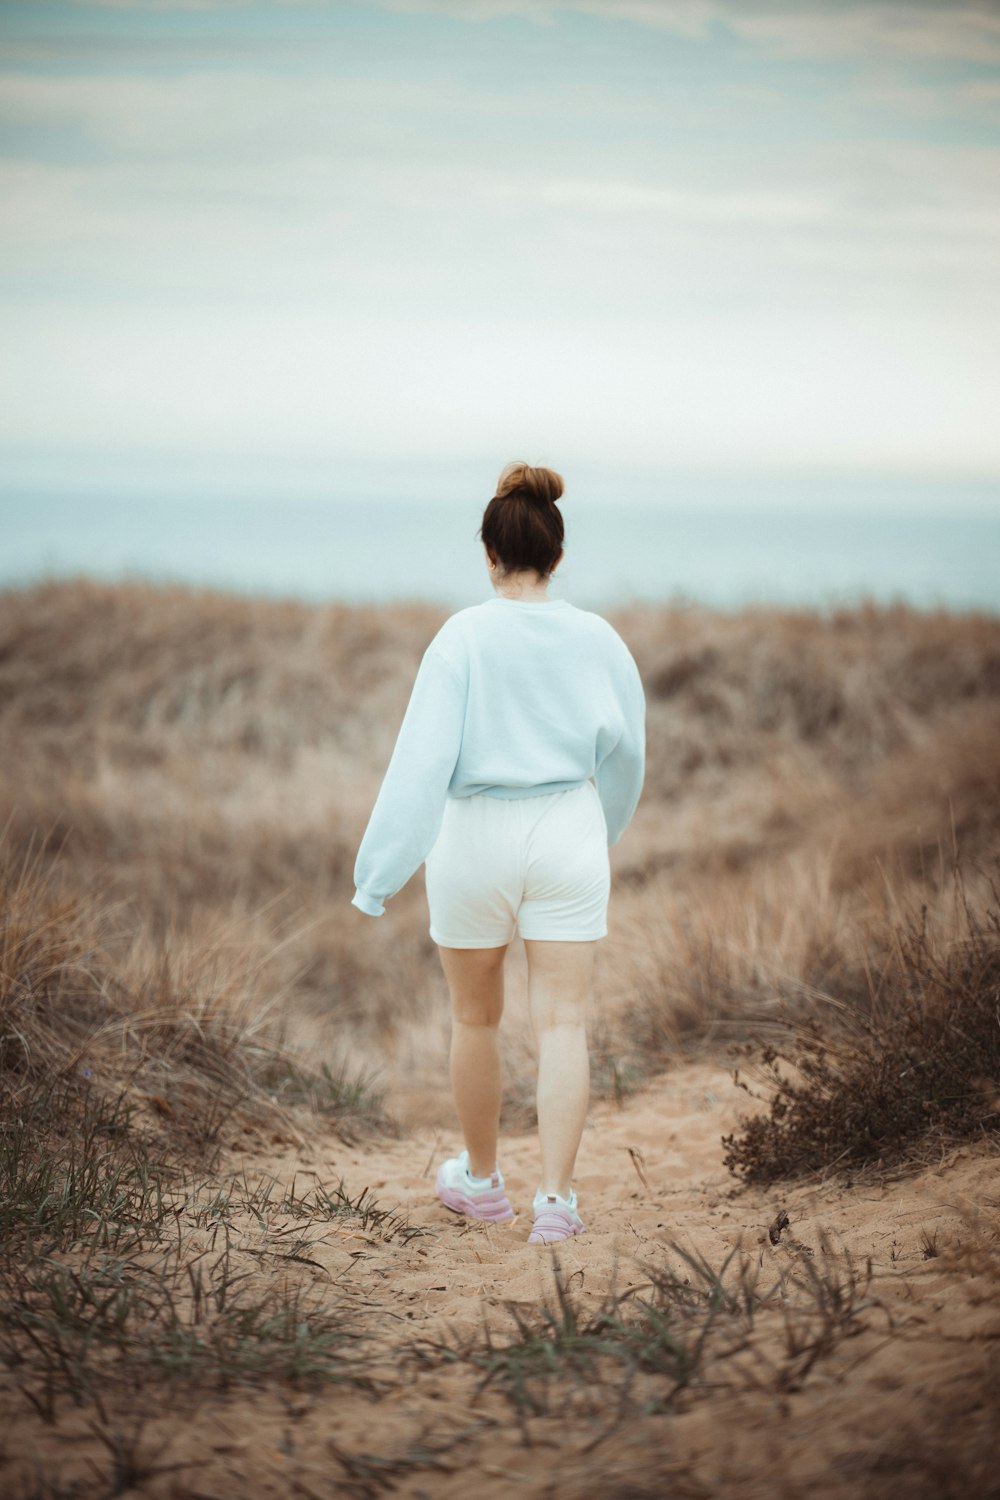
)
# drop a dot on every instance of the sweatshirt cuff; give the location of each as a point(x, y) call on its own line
point(370, 905)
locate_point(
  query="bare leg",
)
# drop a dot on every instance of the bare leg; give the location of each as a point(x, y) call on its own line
point(475, 979)
point(560, 984)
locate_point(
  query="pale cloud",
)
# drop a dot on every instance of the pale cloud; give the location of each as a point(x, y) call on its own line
point(865, 29)
point(847, 28)
point(979, 91)
point(338, 223)
point(243, 113)
point(932, 33)
point(318, 258)
point(691, 18)
point(739, 207)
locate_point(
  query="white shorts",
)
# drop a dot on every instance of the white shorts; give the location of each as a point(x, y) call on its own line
point(537, 865)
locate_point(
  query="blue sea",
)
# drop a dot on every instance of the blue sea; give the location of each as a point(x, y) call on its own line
point(384, 550)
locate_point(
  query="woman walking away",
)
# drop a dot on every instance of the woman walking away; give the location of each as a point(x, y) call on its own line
point(520, 759)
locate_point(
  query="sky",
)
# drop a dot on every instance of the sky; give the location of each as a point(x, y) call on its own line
point(383, 247)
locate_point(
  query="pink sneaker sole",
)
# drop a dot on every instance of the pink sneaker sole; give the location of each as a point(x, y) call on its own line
point(553, 1224)
point(491, 1205)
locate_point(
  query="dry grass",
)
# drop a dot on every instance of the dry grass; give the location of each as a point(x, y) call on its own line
point(182, 1021)
point(207, 764)
point(121, 1274)
point(185, 780)
point(690, 1328)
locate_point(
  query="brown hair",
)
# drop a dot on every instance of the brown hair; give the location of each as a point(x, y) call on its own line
point(522, 526)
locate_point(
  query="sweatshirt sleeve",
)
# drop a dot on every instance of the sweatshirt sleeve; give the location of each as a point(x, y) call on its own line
point(407, 814)
point(619, 775)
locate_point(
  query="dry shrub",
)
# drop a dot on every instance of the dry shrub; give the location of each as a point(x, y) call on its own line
point(921, 1063)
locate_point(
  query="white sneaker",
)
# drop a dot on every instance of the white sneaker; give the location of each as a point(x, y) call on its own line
point(555, 1219)
point(476, 1198)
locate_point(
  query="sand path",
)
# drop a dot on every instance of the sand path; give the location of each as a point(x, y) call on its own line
point(925, 1341)
point(927, 1329)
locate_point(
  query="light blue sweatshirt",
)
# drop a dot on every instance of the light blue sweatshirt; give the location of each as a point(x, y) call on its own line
point(512, 699)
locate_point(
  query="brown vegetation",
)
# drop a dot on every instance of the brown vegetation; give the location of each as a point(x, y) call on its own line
point(184, 778)
point(208, 764)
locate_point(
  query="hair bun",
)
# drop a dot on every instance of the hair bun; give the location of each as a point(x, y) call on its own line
point(543, 486)
point(522, 525)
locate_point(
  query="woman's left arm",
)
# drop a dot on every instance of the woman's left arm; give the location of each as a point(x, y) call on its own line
point(620, 774)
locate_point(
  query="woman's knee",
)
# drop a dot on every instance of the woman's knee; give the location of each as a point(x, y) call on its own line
point(560, 983)
point(475, 981)
point(551, 1011)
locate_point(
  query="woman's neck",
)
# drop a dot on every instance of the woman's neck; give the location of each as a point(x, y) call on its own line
point(526, 586)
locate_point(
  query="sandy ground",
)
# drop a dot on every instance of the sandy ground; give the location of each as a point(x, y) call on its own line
point(921, 1348)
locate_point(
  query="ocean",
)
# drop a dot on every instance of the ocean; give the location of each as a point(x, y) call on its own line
point(385, 550)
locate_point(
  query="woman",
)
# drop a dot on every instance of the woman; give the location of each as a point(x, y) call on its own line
point(520, 759)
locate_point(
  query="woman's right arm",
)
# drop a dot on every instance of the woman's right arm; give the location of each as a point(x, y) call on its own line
point(407, 815)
